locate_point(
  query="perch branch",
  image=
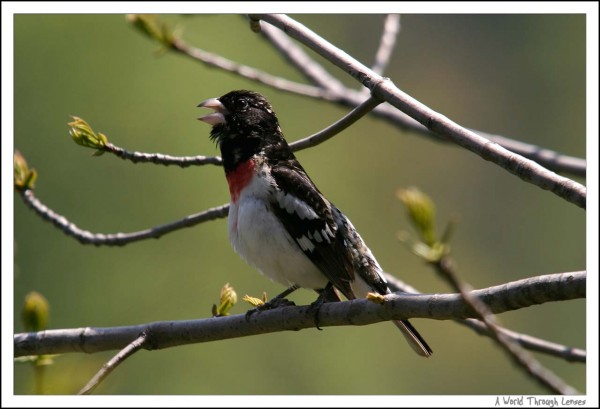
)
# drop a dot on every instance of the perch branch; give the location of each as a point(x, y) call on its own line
point(555, 287)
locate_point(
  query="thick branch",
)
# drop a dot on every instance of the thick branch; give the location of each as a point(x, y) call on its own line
point(556, 287)
point(555, 161)
point(527, 170)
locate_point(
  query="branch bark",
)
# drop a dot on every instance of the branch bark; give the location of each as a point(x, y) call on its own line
point(506, 297)
point(117, 239)
point(526, 341)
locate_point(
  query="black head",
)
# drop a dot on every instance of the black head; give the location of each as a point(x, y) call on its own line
point(243, 124)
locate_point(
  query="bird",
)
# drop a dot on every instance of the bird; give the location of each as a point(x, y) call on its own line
point(279, 222)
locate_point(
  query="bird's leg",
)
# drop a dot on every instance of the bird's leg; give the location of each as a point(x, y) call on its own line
point(326, 295)
point(275, 302)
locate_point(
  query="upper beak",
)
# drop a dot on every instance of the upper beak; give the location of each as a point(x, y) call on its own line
point(216, 117)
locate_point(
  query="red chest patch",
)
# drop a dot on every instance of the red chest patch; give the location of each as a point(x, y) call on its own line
point(239, 178)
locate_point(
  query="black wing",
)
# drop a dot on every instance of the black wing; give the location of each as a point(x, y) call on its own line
point(308, 218)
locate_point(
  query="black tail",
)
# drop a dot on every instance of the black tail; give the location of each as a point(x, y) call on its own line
point(415, 340)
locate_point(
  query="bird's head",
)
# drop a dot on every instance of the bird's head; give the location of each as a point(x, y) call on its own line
point(243, 124)
point(240, 114)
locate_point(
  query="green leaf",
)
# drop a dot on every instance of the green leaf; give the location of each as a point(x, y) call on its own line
point(421, 212)
point(151, 26)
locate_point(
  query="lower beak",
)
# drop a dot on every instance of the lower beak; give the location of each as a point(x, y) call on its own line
point(216, 117)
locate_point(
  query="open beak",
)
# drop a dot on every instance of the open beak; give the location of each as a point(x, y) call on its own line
point(214, 118)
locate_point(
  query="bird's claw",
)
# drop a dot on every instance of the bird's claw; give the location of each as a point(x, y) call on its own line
point(270, 305)
point(314, 309)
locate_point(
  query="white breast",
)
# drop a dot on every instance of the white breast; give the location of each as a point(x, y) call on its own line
point(262, 241)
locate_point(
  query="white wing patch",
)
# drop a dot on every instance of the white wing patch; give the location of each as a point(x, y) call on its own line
point(292, 204)
point(305, 244)
point(327, 232)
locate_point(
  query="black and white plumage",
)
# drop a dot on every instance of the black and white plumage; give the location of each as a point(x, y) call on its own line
point(279, 222)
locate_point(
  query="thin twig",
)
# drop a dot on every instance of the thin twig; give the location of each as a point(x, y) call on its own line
point(300, 60)
point(525, 169)
point(521, 357)
point(338, 126)
point(530, 342)
point(526, 341)
point(564, 286)
point(391, 28)
point(110, 366)
point(553, 160)
point(215, 60)
point(160, 159)
point(118, 239)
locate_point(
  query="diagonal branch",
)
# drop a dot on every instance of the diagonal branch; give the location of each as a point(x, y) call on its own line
point(548, 158)
point(215, 60)
point(338, 126)
point(529, 342)
point(564, 286)
point(525, 169)
point(299, 59)
point(526, 341)
point(118, 359)
point(523, 360)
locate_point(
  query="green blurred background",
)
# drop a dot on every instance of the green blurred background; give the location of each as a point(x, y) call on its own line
point(521, 76)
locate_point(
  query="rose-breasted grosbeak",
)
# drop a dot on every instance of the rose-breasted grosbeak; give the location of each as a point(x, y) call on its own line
point(279, 222)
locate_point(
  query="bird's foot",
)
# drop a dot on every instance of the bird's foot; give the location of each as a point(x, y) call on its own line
point(325, 295)
point(277, 302)
point(270, 305)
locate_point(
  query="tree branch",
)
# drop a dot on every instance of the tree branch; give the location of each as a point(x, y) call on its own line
point(110, 366)
point(526, 341)
point(548, 158)
point(529, 342)
point(525, 169)
point(523, 360)
point(501, 298)
point(215, 60)
point(161, 159)
point(391, 28)
point(337, 127)
point(326, 90)
point(117, 239)
point(300, 60)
